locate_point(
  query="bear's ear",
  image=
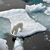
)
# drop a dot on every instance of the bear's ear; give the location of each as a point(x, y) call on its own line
point(14, 38)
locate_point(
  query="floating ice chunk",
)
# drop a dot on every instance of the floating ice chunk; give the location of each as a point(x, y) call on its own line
point(47, 11)
point(18, 45)
point(16, 16)
point(35, 8)
point(47, 1)
point(20, 16)
point(3, 45)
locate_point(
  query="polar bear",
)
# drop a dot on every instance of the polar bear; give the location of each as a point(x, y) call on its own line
point(17, 27)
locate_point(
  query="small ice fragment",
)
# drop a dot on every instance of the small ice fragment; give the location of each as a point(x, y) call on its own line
point(43, 32)
point(18, 45)
point(46, 35)
point(47, 11)
point(35, 8)
point(47, 1)
point(47, 38)
point(3, 45)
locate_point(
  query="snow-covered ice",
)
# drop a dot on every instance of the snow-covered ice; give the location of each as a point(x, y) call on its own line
point(3, 45)
point(20, 15)
point(47, 12)
point(35, 8)
point(47, 1)
point(18, 45)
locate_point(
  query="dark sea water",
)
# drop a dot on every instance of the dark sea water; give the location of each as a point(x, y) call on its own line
point(33, 1)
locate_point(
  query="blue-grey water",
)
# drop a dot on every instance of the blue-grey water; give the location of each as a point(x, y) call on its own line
point(4, 27)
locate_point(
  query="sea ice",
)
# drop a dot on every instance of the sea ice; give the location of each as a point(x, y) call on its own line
point(3, 45)
point(35, 8)
point(47, 11)
point(20, 15)
point(47, 1)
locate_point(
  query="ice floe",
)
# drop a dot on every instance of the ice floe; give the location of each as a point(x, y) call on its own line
point(3, 45)
point(18, 45)
point(35, 8)
point(20, 15)
point(47, 1)
point(47, 11)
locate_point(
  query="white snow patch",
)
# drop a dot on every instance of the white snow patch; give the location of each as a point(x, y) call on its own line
point(47, 1)
point(3, 45)
point(35, 8)
point(18, 45)
point(47, 12)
